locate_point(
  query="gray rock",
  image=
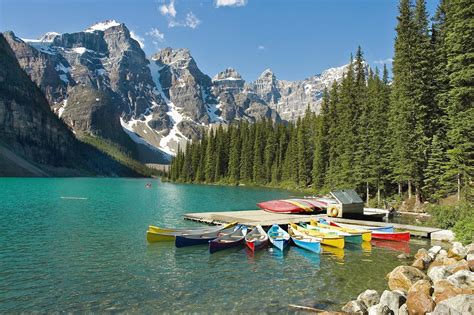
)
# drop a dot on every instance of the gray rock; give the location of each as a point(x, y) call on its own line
point(470, 257)
point(435, 249)
point(443, 235)
point(380, 309)
point(458, 305)
point(441, 255)
point(355, 307)
point(438, 273)
point(403, 256)
point(369, 298)
point(393, 299)
point(470, 248)
point(463, 279)
point(457, 251)
point(403, 310)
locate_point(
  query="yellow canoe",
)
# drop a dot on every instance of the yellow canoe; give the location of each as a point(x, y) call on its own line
point(159, 234)
point(366, 235)
point(327, 239)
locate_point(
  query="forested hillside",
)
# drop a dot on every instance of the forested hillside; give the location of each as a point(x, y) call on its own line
point(412, 134)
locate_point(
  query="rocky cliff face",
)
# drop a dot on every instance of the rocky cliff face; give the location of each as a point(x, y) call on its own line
point(33, 141)
point(100, 82)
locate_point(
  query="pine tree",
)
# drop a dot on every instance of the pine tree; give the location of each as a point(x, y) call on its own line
point(320, 155)
point(460, 58)
point(234, 153)
point(210, 161)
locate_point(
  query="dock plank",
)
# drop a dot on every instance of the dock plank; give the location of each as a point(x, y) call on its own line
point(264, 218)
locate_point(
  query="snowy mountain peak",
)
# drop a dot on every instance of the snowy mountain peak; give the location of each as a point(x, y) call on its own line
point(228, 74)
point(267, 73)
point(102, 26)
point(48, 37)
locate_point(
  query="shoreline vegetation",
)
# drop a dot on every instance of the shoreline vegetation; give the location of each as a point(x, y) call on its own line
point(438, 281)
point(405, 140)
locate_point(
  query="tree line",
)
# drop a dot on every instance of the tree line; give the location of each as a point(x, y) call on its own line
point(412, 134)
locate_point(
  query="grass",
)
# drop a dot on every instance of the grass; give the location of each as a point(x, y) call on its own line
point(458, 218)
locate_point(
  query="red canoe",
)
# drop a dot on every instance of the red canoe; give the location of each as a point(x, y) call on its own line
point(292, 205)
point(392, 236)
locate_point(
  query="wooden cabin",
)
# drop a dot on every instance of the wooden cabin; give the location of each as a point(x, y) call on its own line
point(347, 202)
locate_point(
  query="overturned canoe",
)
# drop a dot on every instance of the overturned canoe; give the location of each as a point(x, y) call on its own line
point(328, 238)
point(233, 239)
point(292, 206)
point(278, 237)
point(305, 241)
point(159, 234)
point(256, 239)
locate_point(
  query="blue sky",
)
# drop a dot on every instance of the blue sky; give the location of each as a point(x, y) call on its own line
point(295, 38)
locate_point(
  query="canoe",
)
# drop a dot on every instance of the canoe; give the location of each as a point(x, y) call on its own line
point(233, 239)
point(278, 237)
point(159, 234)
point(330, 239)
point(364, 227)
point(348, 238)
point(196, 239)
point(292, 206)
point(403, 236)
point(304, 241)
point(366, 236)
point(256, 239)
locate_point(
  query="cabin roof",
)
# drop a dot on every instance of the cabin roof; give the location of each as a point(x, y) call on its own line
point(347, 196)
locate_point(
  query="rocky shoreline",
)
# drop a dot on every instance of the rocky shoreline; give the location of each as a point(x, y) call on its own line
point(437, 281)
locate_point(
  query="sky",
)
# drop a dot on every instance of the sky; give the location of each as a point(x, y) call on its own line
point(294, 38)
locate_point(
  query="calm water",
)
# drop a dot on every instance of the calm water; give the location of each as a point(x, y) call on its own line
point(91, 254)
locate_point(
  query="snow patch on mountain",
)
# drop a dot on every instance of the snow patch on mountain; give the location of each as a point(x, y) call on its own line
point(102, 26)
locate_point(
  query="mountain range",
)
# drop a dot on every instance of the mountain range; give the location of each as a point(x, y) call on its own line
point(100, 83)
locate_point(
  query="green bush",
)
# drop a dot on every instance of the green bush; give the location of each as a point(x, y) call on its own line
point(459, 218)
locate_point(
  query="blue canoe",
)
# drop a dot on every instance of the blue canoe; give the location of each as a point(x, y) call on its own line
point(304, 241)
point(278, 237)
point(197, 239)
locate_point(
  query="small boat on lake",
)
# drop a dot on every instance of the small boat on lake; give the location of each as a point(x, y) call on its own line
point(159, 234)
point(204, 238)
point(292, 206)
point(232, 239)
point(256, 239)
point(388, 228)
point(328, 238)
point(278, 237)
point(305, 241)
point(365, 235)
point(403, 236)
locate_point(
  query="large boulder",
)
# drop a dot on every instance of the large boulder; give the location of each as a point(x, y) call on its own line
point(457, 251)
point(393, 299)
point(458, 305)
point(419, 299)
point(403, 277)
point(435, 250)
point(463, 279)
point(422, 263)
point(354, 307)
point(380, 309)
point(369, 298)
point(443, 236)
point(444, 290)
point(438, 273)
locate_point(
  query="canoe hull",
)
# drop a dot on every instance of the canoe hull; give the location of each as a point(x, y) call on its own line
point(366, 235)
point(392, 236)
point(314, 247)
point(155, 237)
point(353, 239)
point(278, 237)
point(182, 241)
point(217, 246)
point(292, 206)
point(280, 244)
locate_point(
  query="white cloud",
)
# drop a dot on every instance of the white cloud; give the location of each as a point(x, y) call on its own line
point(156, 34)
point(261, 47)
point(191, 21)
point(168, 9)
point(383, 61)
point(230, 3)
point(138, 38)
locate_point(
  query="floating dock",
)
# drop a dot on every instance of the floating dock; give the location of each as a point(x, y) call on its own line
point(264, 218)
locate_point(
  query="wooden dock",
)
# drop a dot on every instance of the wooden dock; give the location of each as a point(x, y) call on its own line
point(264, 218)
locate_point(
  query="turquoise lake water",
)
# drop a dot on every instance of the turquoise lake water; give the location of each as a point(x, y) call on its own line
point(91, 254)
